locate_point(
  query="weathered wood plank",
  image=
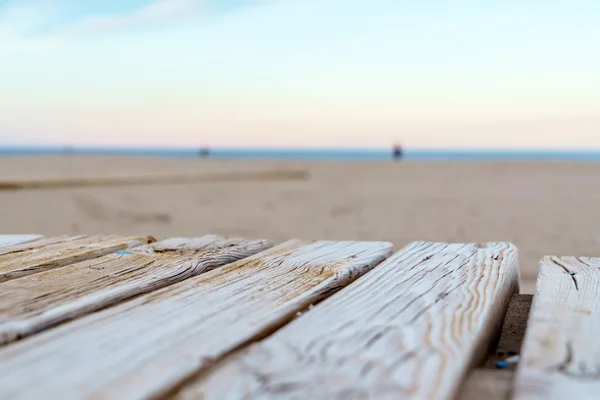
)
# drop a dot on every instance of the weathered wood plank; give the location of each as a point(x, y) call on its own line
point(411, 328)
point(42, 255)
point(36, 244)
point(33, 303)
point(145, 346)
point(560, 358)
point(11, 240)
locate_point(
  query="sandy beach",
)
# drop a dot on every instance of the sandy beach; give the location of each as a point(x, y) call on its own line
point(544, 208)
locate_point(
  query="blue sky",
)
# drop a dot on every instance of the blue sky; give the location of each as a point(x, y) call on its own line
point(429, 73)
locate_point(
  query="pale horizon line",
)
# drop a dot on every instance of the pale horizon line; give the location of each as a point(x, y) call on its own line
point(83, 148)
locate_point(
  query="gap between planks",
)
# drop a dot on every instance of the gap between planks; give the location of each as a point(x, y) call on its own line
point(487, 382)
point(412, 328)
point(146, 346)
point(46, 254)
point(34, 303)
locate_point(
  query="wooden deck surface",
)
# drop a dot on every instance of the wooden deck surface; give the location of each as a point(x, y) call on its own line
point(109, 317)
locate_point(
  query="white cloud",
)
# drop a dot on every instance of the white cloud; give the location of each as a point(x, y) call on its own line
point(155, 14)
point(28, 17)
point(21, 17)
point(39, 24)
point(19, 21)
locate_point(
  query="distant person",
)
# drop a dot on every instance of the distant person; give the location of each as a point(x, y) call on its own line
point(204, 152)
point(397, 153)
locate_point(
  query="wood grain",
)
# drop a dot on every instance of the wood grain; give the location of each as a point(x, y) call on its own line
point(36, 302)
point(43, 255)
point(11, 240)
point(410, 329)
point(145, 346)
point(561, 353)
point(37, 243)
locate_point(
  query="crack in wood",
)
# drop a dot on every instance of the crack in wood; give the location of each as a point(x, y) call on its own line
point(567, 270)
point(581, 373)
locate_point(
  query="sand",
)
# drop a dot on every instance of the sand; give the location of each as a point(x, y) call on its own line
point(544, 208)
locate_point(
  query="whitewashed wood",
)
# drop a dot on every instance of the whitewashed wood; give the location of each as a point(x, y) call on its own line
point(37, 243)
point(561, 353)
point(45, 254)
point(11, 240)
point(36, 302)
point(410, 329)
point(141, 348)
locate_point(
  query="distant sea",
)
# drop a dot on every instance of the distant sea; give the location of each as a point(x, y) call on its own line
point(314, 154)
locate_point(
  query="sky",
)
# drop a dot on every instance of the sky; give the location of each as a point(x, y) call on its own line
point(301, 73)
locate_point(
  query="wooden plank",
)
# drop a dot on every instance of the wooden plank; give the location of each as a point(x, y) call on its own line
point(36, 244)
point(560, 358)
point(85, 181)
point(33, 303)
point(145, 346)
point(46, 254)
point(411, 328)
point(11, 240)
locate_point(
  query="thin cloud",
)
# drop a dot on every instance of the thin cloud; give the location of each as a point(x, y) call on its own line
point(22, 18)
point(157, 13)
point(39, 24)
point(21, 21)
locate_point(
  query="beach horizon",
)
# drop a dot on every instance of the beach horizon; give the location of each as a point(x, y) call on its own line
point(312, 153)
point(542, 207)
